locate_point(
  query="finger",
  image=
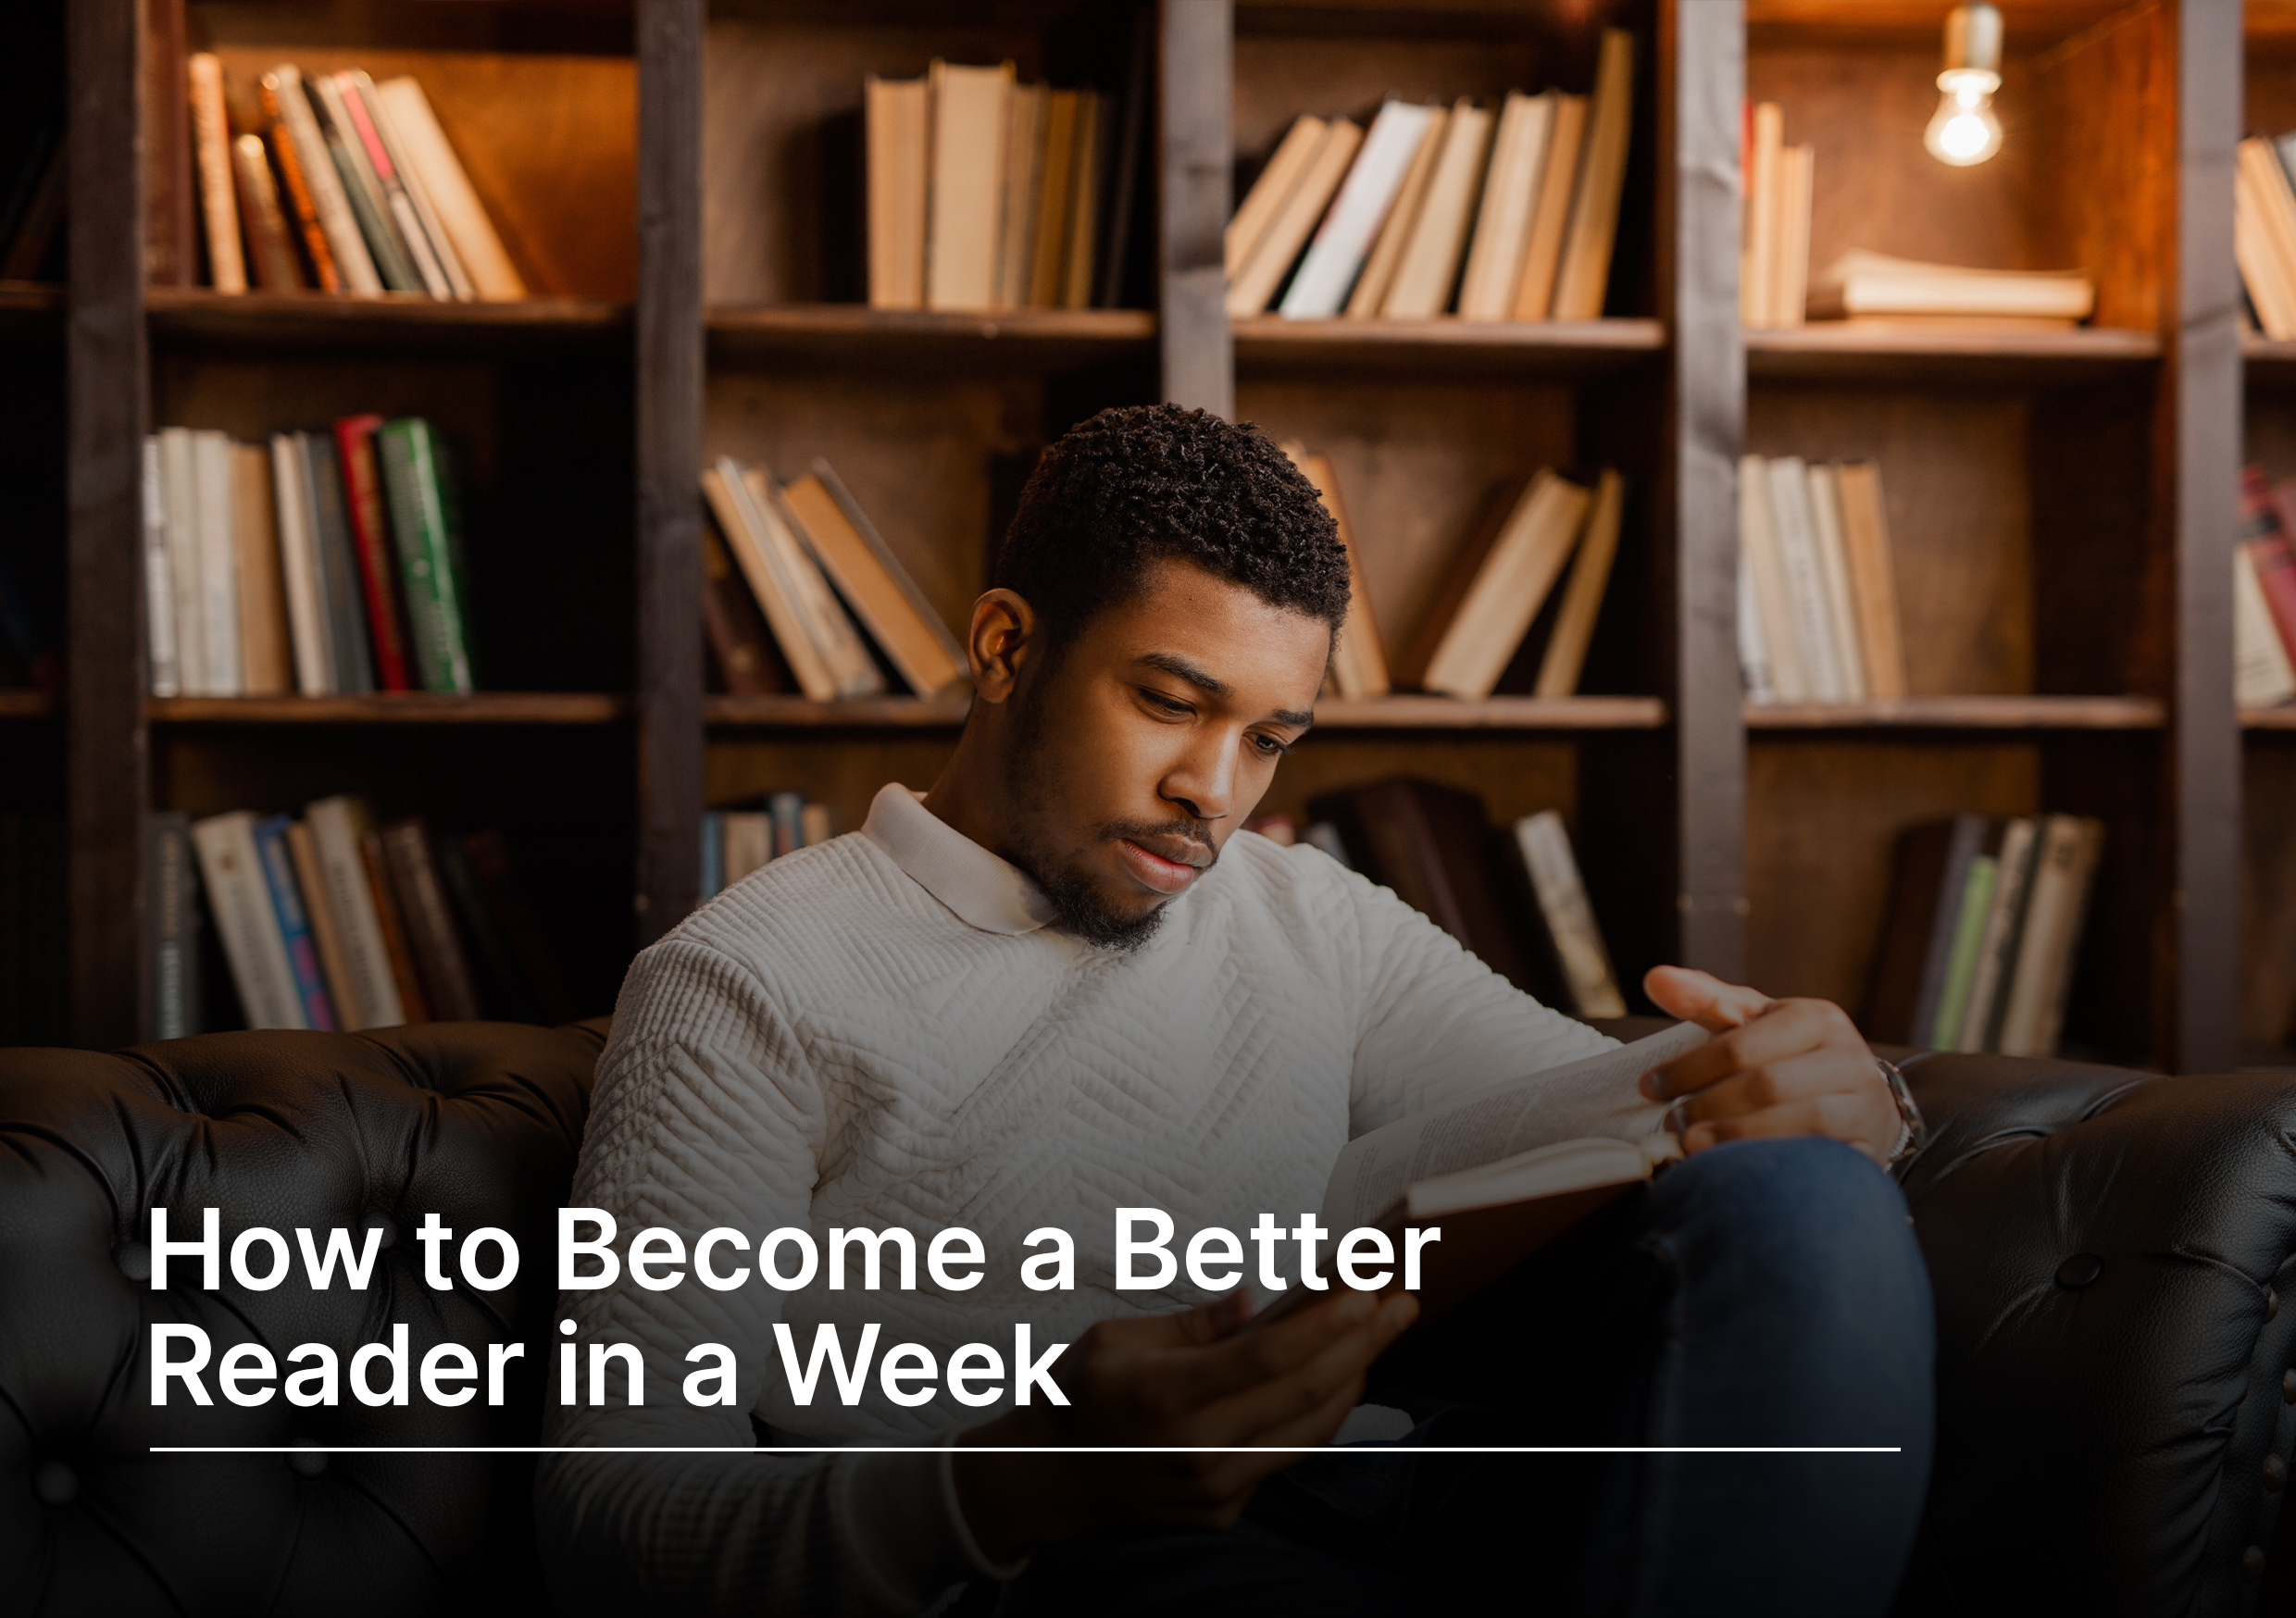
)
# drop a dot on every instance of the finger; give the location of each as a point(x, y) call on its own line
point(1788, 1028)
point(1284, 1398)
point(1250, 1359)
point(1837, 1116)
point(1758, 1089)
point(1206, 1323)
point(1702, 998)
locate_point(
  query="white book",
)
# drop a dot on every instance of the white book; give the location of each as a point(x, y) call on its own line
point(158, 578)
point(2262, 676)
point(1753, 653)
point(1336, 255)
point(1561, 891)
point(240, 900)
point(219, 563)
point(329, 200)
point(1833, 561)
point(417, 191)
point(1757, 540)
point(460, 212)
point(179, 480)
point(337, 825)
point(298, 562)
point(1806, 581)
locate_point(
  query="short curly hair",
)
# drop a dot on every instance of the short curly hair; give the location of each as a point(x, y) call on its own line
point(1146, 483)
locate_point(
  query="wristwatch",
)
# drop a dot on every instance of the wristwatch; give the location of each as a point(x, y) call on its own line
point(1912, 1133)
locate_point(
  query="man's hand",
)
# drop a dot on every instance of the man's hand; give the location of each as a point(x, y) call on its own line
point(1774, 1067)
point(1171, 1381)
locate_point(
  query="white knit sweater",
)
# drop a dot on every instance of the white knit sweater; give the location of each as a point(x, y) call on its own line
point(884, 1031)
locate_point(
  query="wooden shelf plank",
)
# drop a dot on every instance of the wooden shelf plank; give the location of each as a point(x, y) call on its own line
point(1023, 339)
point(31, 309)
point(1517, 347)
point(2280, 719)
point(1972, 713)
point(1838, 350)
point(395, 708)
point(1400, 712)
point(396, 319)
point(27, 704)
point(2265, 361)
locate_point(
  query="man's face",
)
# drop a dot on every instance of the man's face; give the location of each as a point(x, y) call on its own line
point(1141, 748)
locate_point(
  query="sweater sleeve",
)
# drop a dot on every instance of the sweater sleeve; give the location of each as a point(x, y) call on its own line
point(707, 1113)
point(1432, 1021)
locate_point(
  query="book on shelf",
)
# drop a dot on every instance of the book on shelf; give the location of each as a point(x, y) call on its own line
point(1818, 613)
point(2264, 235)
point(174, 989)
point(1565, 916)
point(844, 610)
point(1502, 582)
point(1863, 285)
point(349, 186)
point(2264, 645)
point(1773, 260)
point(1489, 213)
point(2263, 674)
point(365, 980)
point(291, 566)
point(746, 838)
point(742, 651)
point(441, 960)
point(982, 192)
point(1358, 656)
point(1983, 928)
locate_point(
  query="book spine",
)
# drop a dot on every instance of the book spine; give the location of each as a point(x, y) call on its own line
point(1562, 904)
point(464, 218)
point(848, 658)
point(419, 524)
point(2087, 847)
point(1585, 274)
point(179, 480)
point(299, 567)
point(351, 667)
point(2262, 675)
point(1964, 843)
point(337, 827)
point(761, 566)
point(1833, 564)
point(362, 487)
point(1997, 951)
point(219, 562)
point(291, 104)
point(296, 184)
point(239, 897)
point(1805, 577)
point(1753, 652)
point(504, 990)
point(174, 951)
point(1582, 597)
point(438, 953)
point(1084, 210)
point(170, 245)
point(295, 923)
point(393, 190)
point(342, 996)
point(1977, 898)
point(227, 268)
point(159, 615)
point(264, 636)
point(361, 190)
point(737, 635)
point(390, 927)
point(417, 193)
point(268, 241)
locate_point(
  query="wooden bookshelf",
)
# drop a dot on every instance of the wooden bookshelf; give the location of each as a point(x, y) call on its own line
point(21, 705)
point(2059, 499)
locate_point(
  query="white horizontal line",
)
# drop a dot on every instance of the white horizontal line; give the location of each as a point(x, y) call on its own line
point(1021, 1449)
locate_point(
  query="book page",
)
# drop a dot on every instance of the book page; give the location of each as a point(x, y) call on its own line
point(1595, 1097)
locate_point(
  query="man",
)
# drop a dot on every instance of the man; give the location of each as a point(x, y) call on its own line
point(1061, 983)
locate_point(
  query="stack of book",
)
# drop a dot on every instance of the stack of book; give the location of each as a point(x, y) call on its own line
point(737, 841)
point(32, 925)
point(1773, 260)
point(2264, 593)
point(330, 923)
point(1872, 289)
point(1515, 897)
point(340, 184)
point(2264, 231)
point(328, 563)
point(1489, 214)
point(1985, 922)
point(1817, 616)
point(1505, 618)
point(987, 194)
point(802, 564)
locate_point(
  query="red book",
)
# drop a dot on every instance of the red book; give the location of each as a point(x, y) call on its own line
point(362, 487)
point(2265, 534)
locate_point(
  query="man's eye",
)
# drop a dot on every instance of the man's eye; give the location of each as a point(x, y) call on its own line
point(1164, 704)
point(1269, 747)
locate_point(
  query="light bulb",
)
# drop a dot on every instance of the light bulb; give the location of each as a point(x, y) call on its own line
point(1966, 130)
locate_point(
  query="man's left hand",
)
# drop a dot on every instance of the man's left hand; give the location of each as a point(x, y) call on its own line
point(1775, 1068)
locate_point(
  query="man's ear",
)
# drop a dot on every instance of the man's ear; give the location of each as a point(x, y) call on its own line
point(1000, 640)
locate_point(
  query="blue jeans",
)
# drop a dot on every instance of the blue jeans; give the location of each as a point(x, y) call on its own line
point(1761, 1293)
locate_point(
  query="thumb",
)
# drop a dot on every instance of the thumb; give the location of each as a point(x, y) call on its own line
point(1702, 998)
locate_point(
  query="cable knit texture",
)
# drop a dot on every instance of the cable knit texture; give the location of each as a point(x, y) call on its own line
point(880, 1033)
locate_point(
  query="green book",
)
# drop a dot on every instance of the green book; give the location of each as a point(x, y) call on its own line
point(422, 530)
point(1961, 969)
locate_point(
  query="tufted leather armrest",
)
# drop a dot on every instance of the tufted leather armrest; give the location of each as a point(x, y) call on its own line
point(480, 1122)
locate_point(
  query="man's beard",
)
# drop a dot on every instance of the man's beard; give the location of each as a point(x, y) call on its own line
point(1078, 907)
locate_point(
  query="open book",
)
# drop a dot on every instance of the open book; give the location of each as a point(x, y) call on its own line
point(1505, 1169)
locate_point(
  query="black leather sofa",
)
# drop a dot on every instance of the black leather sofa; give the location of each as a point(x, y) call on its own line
point(2109, 1251)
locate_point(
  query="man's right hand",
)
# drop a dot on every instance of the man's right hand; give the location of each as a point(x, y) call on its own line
point(1169, 1382)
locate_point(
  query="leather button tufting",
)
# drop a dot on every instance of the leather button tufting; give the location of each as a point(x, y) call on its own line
point(2272, 1303)
point(2276, 1474)
point(56, 1483)
point(2288, 1386)
point(134, 1260)
point(382, 1222)
point(306, 1459)
point(2251, 1564)
point(2078, 1271)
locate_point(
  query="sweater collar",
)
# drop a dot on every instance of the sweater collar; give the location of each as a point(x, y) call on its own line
point(985, 890)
